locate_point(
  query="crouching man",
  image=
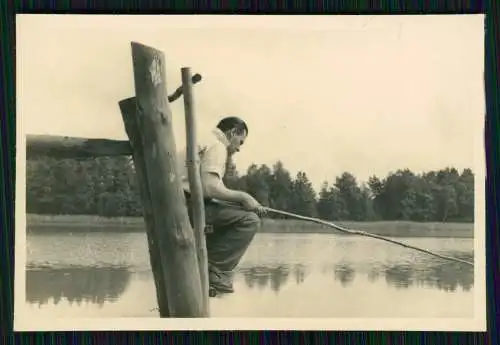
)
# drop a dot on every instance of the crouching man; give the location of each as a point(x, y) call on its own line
point(233, 228)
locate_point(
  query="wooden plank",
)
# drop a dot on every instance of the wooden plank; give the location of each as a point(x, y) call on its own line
point(177, 254)
point(128, 110)
point(193, 167)
point(74, 147)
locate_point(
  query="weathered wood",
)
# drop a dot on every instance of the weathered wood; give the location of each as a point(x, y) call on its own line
point(177, 255)
point(74, 147)
point(196, 199)
point(128, 110)
point(179, 92)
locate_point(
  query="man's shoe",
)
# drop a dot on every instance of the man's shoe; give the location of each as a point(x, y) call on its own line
point(220, 282)
point(222, 288)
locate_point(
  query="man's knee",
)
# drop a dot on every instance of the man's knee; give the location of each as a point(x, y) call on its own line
point(251, 221)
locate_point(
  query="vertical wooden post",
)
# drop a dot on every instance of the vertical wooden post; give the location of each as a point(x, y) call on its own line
point(128, 110)
point(172, 230)
point(197, 205)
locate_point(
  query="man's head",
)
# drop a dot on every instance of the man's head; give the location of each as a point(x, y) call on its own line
point(236, 132)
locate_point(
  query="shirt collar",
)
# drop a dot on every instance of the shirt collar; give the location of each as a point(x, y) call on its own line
point(221, 136)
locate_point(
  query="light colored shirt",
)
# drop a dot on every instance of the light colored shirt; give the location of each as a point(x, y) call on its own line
point(212, 152)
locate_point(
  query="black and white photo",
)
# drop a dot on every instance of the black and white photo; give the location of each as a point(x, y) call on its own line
point(341, 172)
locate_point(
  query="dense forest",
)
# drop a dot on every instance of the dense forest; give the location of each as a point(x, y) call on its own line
point(107, 187)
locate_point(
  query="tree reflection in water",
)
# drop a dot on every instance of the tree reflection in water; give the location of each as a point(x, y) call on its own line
point(429, 272)
point(299, 271)
point(344, 273)
point(373, 275)
point(96, 285)
point(432, 272)
point(399, 276)
point(275, 276)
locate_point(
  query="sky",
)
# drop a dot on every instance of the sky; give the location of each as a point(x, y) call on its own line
point(323, 94)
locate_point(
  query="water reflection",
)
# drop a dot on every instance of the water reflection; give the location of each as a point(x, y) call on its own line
point(76, 284)
point(444, 275)
point(115, 268)
point(299, 272)
point(399, 276)
point(450, 276)
point(373, 275)
point(266, 276)
point(434, 273)
point(344, 273)
point(98, 285)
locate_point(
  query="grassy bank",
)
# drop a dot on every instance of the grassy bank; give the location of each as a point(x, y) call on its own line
point(85, 223)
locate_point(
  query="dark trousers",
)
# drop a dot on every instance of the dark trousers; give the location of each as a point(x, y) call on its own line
point(233, 231)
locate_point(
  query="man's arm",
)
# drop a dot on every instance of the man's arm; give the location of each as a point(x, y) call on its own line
point(212, 170)
point(213, 187)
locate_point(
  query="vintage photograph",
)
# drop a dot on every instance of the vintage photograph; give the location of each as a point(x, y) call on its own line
point(250, 172)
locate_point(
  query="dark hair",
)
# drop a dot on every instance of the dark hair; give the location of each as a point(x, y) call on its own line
point(228, 123)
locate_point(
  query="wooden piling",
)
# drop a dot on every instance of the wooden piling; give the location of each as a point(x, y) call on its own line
point(193, 167)
point(172, 245)
point(128, 110)
point(196, 78)
point(172, 229)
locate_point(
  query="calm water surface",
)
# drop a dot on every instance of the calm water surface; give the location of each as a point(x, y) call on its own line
point(282, 275)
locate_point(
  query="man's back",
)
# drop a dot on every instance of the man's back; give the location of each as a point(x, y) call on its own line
point(212, 155)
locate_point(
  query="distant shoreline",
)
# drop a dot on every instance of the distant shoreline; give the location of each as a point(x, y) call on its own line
point(36, 223)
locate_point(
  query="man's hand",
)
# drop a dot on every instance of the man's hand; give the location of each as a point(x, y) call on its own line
point(250, 204)
point(214, 188)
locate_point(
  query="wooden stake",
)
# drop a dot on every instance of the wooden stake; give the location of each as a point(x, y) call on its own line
point(173, 232)
point(128, 110)
point(193, 167)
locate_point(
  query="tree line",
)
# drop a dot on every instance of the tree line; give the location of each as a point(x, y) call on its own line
point(107, 186)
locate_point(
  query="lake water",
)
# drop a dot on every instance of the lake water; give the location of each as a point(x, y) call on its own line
point(282, 275)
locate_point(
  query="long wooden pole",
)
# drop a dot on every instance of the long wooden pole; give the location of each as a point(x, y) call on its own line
point(366, 234)
point(353, 232)
point(177, 255)
point(128, 109)
point(195, 187)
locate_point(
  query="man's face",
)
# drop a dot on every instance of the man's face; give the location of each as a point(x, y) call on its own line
point(236, 140)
